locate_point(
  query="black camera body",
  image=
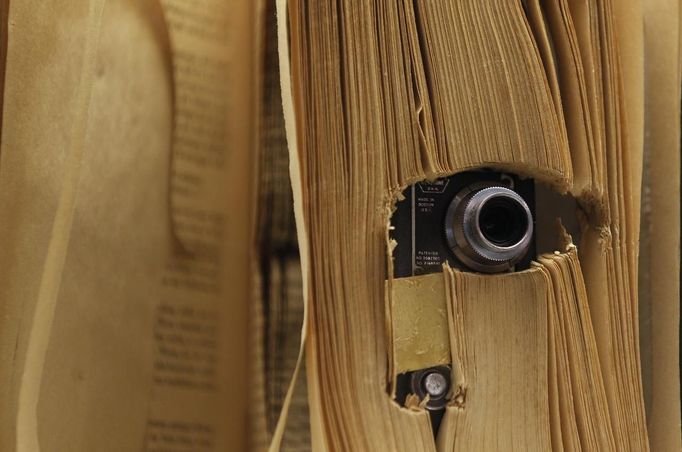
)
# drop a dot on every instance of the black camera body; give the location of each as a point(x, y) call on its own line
point(475, 220)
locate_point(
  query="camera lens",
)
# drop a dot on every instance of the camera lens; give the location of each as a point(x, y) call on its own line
point(503, 221)
point(489, 228)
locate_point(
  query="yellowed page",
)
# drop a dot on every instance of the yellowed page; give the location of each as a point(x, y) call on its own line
point(498, 336)
point(292, 136)
point(629, 24)
point(662, 141)
point(114, 260)
point(51, 62)
point(573, 98)
point(4, 25)
point(200, 369)
point(584, 399)
point(145, 338)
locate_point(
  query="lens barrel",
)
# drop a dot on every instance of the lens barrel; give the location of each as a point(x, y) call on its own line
point(489, 228)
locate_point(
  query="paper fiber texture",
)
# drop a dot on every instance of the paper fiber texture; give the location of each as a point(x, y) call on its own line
point(388, 94)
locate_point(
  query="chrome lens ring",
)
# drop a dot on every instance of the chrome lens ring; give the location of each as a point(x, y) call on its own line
point(489, 228)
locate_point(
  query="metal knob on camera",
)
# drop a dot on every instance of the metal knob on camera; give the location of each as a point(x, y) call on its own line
point(434, 382)
point(489, 228)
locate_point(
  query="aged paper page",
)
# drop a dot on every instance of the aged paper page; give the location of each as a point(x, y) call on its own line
point(146, 342)
point(662, 144)
point(47, 89)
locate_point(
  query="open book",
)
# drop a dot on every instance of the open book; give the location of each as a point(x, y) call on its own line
point(381, 96)
point(197, 231)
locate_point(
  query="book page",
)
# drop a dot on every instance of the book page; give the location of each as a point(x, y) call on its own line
point(498, 338)
point(200, 323)
point(42, 147)
point(661, 221)
point(146, 342)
